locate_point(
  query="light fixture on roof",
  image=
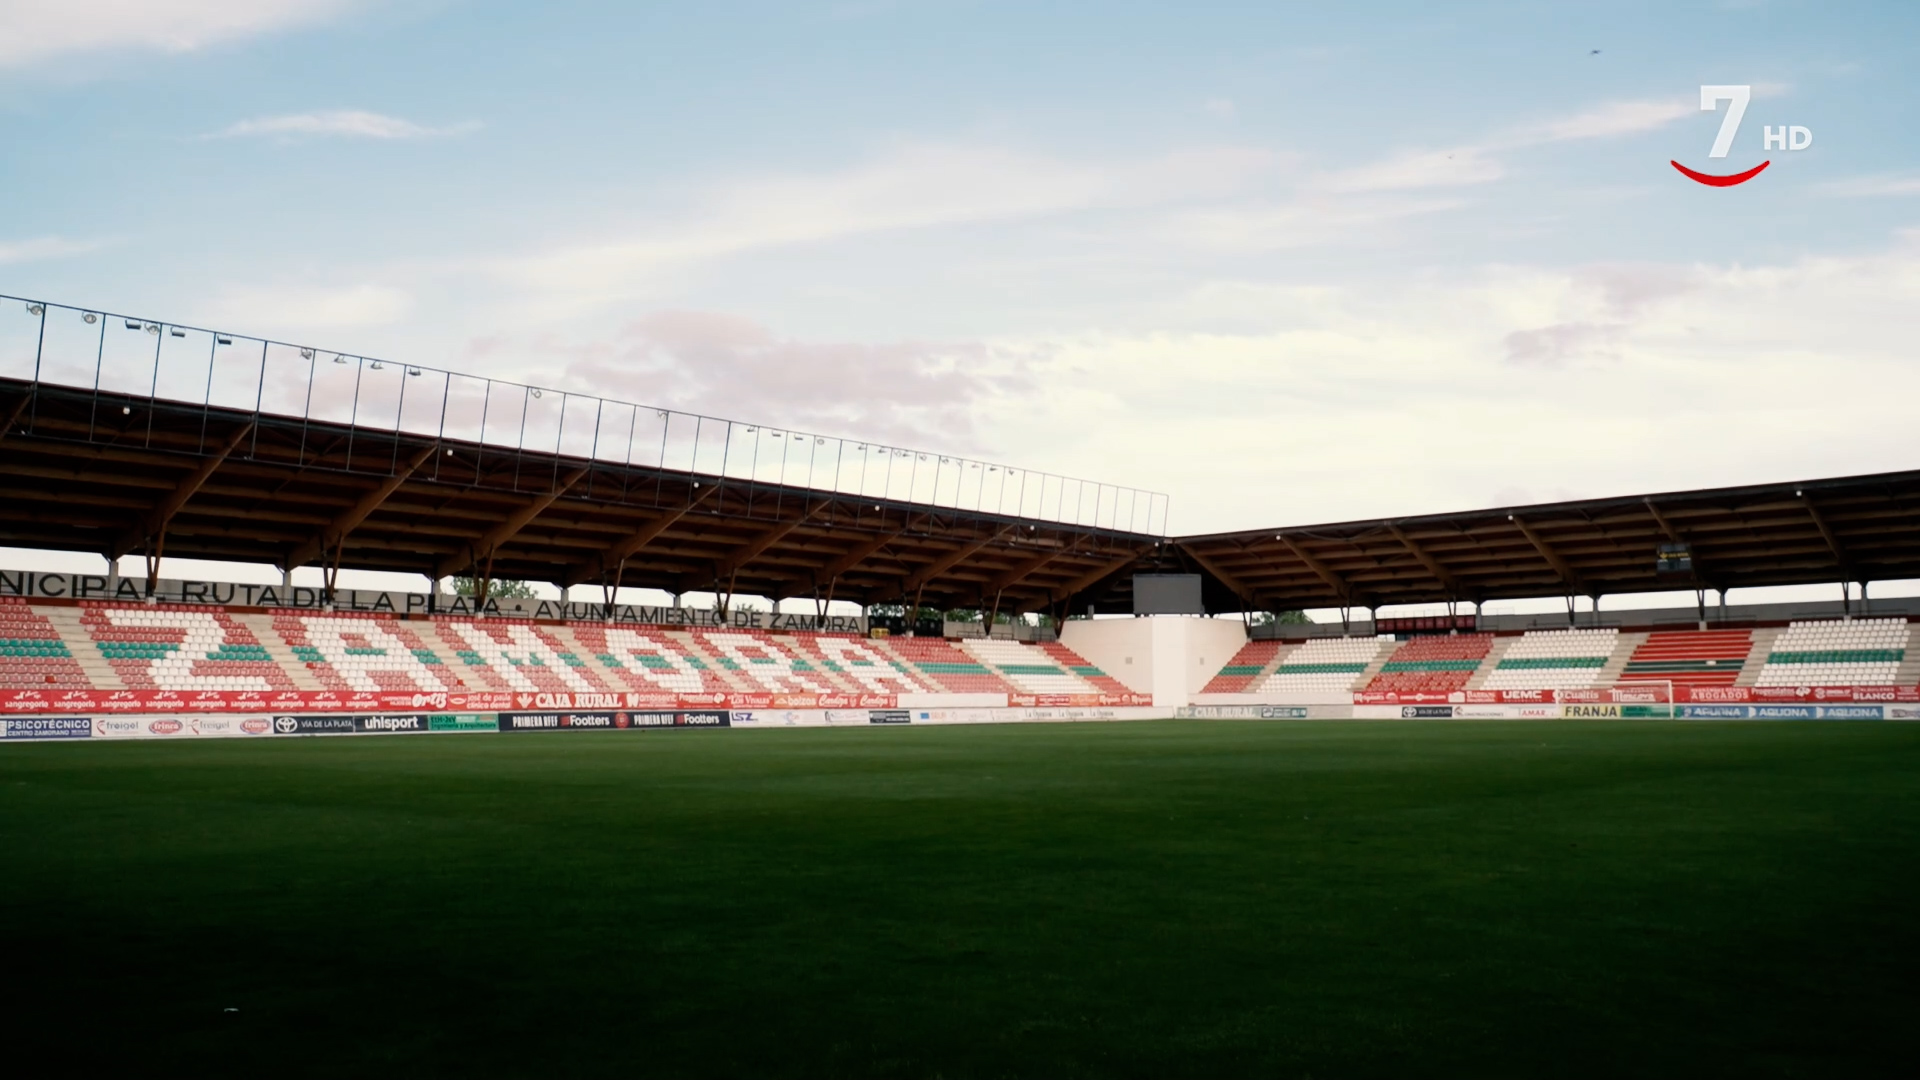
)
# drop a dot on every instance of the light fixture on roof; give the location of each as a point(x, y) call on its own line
point(177, 332)
point(751, 430)
point(133, 324)
point(126, 410)
point(89, 318)
point(339, 359)
point(377, 366)
point(36, 309)
point(413, 371)
point(449, 451)
point(1796, 493)
point(153, 328)
point(536, 393)
point(306, 354)
point(221, 339)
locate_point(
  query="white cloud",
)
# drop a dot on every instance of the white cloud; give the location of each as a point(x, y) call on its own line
point(1478, 163)
point(1419, 169)
point(1440, 391)
point(34, 31)
point(306, 308)
point(351, 123)
point(1860, 187)
point(46, 247)
point(911, 187)
point(1610, 120)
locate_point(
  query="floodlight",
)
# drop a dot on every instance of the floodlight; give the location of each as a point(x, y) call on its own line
point(413, 371)
point(90, 318)
point(219, 339)
point(153, 328)
point(339, 359)
point(306, 354)
point(126, 410)
point(377, 366)
point(133, 324)
point(536, 393)
point(36, 309)
point(177, 332)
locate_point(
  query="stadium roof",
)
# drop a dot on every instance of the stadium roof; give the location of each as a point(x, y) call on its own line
point(1859, 528)
point(119, 475)
point(108, 456)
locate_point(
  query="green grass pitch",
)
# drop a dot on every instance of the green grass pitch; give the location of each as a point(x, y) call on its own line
point(1138, 899)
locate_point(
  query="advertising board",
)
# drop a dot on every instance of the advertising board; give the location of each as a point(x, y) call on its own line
point(47, 727)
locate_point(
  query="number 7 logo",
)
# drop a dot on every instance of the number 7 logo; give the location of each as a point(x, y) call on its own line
point(1710, 98)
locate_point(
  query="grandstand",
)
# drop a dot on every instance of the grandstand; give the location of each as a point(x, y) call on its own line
point(566, 495)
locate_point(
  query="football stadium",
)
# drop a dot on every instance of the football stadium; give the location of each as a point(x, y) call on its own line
point(388, 705)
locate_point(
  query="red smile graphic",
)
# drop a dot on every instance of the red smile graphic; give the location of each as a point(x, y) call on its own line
point(1711, 180)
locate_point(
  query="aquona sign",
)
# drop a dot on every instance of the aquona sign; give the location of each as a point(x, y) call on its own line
point(36, 585)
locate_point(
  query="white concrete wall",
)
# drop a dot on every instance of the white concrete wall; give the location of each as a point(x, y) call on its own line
point(1168, 656)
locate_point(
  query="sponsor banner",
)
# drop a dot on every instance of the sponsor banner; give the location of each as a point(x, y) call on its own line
point(1754, 695)
point(1628, 694)
point(1504, 697)
point(389, 723)
point(889, 716)
point(141, 727)
point(1611, 711)
point(1397, 697)
point(1243, 712)
point(309, 702)
point(1069, 701)
point(231, 727)
point(463, 722)
point(1799, 712)
point(313, 725)
point(1426, 712)
point(966, 715)
point(47, 727)
point(1903, 712)
point(614, 721)
point(1716, 712)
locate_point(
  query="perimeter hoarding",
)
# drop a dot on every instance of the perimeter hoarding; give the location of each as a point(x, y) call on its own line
point(47, 727)
point(615, 721)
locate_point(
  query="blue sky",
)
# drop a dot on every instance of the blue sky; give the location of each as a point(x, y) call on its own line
point(1288, 263)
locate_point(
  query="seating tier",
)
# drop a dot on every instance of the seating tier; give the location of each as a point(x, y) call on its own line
point(1238, 674)
point(1433, 664)
point(1860, 652)
point(1690, 657)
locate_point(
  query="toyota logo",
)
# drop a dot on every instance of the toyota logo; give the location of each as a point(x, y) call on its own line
point(285, 725)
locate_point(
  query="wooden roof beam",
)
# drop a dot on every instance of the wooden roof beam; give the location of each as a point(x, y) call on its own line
point(618, 553)
point(944, 563)
point(1827, 534)
point(336, 530)
point(1014, 575)
point(476, 551)
point(1340, 586)
point(1432, 563)
point(163, 511)
point(1239, 588)
point(753, 549)
point(1560, 565)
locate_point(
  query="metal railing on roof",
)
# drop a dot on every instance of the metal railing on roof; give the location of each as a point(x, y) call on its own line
point(110, 353)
